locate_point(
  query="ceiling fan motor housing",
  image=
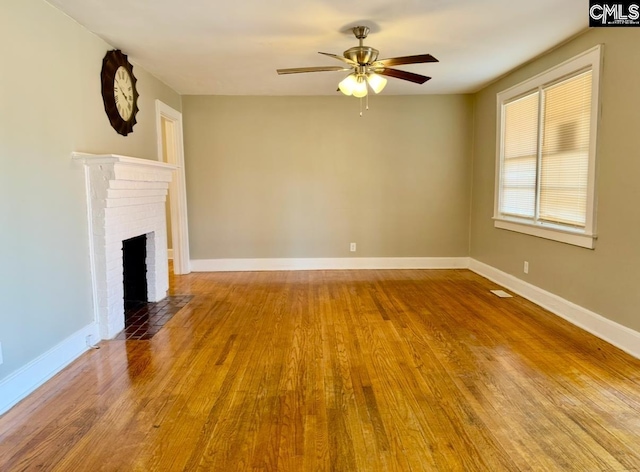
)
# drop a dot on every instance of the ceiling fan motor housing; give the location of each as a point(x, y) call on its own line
point(362, 54)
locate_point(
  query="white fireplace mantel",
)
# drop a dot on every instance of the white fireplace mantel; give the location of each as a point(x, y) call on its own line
point(122, 163)
point(126, 197)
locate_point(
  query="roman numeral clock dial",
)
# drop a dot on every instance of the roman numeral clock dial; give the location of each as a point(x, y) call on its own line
point(122, 89)
point(119, 92)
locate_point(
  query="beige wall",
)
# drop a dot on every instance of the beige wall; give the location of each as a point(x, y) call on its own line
point(305, 176)
point(607, 279)
point(50, 106)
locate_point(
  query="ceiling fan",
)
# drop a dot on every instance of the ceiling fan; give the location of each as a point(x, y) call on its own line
point(366, 68)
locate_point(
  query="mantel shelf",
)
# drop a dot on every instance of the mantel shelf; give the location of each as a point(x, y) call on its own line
point(96, 159)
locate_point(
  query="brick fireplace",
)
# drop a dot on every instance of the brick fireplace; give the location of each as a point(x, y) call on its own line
point(125, 199)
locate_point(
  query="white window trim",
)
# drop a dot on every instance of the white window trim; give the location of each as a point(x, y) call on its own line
point(583, 238)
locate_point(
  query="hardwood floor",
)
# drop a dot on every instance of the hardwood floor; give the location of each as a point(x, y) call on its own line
point(406, 370)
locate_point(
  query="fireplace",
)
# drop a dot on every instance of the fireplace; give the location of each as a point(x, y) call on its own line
point(125, 200)
point(134, 271)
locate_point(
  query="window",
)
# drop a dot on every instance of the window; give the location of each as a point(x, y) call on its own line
point(545, 180)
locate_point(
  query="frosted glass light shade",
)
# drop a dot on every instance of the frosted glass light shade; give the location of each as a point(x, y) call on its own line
point(348, 84)
point(376, 82)
point(360, 89)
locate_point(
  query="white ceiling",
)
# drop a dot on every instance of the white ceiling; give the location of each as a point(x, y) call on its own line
point(234, 47)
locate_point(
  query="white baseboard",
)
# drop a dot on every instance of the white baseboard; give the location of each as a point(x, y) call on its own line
point(25, 380)
point(620, 336)
point(170, 254)
point(340, 263)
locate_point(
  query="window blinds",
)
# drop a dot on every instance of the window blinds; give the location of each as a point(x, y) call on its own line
point(546, 153)
point(564, 167)
point(520, 157)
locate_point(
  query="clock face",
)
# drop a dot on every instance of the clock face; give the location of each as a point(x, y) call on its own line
point(123, 93)
point(119, 92)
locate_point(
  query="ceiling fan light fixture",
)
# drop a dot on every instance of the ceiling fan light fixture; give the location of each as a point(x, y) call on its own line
point(348, 84)
point(360, 89)
point(376, 82)
point(365, 69)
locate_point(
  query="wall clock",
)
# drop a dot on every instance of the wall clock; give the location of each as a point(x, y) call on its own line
point(119, 91)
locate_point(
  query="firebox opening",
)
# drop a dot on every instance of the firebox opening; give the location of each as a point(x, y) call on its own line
point(134, 258)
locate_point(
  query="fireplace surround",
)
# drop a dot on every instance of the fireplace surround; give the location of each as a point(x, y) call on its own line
point(126, 198)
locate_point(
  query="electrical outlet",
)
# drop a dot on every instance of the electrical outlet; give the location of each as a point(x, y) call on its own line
point(526, 267)
point(352, 247)
point(1, 360)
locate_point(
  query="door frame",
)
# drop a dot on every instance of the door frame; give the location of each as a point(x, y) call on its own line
point(177, 188)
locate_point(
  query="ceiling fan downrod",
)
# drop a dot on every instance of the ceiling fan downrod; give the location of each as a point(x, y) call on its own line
point(361, 54)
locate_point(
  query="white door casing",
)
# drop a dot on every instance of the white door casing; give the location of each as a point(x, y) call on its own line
point(177, 187)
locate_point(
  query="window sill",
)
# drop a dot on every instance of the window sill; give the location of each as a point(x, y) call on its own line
point(555, 234)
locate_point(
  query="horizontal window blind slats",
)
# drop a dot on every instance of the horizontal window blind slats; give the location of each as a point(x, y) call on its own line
point(565, 151)
point(546, 152)
point(521, 127)
point(520, 156)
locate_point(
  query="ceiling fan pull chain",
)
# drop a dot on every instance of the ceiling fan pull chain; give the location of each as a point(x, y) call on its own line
point(360, 107)
point(367, 102)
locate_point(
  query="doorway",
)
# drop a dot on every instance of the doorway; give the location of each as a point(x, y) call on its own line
point(171, 150)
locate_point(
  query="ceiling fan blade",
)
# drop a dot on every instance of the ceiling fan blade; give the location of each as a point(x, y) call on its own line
point(398, 61)
point(299, 70)
point(340, 58)
point(404, 75)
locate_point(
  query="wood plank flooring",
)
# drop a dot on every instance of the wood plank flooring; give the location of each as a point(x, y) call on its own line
point(406, 370)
